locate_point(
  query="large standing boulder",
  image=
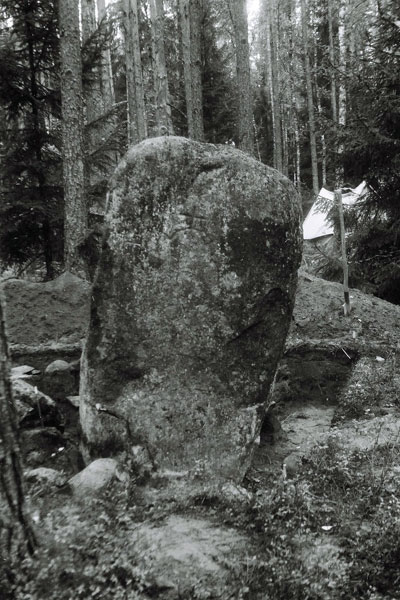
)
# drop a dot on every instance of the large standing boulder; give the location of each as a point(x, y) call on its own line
point(191, 306)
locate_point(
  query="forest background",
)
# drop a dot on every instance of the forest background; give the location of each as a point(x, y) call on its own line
point(310, 88)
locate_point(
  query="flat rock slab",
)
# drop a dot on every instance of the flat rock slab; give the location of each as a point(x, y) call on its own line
point(190, 307)
point(185, 552)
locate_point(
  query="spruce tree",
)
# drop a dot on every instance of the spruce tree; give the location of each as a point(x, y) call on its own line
point(31, 195)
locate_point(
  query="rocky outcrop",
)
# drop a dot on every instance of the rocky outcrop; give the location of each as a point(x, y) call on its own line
point(190, 307)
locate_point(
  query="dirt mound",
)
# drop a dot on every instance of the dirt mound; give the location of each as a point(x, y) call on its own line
point(318, 314)
point(54, 311)
point(334, 369)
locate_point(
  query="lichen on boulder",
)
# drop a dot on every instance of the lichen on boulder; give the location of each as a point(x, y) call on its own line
point(190, 307)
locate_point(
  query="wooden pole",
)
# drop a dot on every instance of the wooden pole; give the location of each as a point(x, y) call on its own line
point(346, 306)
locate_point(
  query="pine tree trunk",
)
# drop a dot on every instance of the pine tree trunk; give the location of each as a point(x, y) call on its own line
point(244, 95)
point(163, 108)
point(190, 17)
point(277, 120)
point(332, 63)
point(88, 18)
point(310, 102)
point(187, 71)
point(137, 123)
point(294, 111)
point(106, 79)
point(342, 104)
point(270, 87)
point(75, 211)
point(196, 15)
point(319, 108)
point(11, 479)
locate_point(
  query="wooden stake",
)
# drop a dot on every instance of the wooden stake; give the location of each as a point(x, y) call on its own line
point(346, 306)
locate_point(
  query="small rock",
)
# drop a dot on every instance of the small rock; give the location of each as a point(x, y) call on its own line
point(60, 379)
point(74, 400)
point(94, 477)
point(46, 475)
point(292, 464)
point(233, 492)
point(23, 371)
point(56, 366)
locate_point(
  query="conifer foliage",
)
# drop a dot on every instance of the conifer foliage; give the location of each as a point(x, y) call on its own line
point(31, 194)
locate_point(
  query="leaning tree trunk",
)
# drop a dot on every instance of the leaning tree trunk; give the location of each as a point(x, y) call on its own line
point(75, 210)
point(310, 103)
point(17, 520)
point(245, 103)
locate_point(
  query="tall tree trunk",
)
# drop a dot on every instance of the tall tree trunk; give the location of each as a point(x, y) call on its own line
point(190, 17)
point(106, 79)
point(270, 86)
point(310, 102)
point(163, 108)
point(88, 18)
point(11, 479)
point(294, 111)
point(278, 141)
point(244, 96)
point(137, 129)
point(196, 17)
point(75, 211)
point(342, 104)
point(332, 61)
point(320, 115)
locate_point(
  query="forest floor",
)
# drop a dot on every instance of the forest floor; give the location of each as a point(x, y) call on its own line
point(317, 518)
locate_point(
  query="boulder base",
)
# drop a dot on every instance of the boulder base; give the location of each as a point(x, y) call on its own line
point(190, 307)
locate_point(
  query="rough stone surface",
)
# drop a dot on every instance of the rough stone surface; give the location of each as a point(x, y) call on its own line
point(186, 553)
point(190, 307)
point(33, 407)
point(42, 312)
point(94, 477)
